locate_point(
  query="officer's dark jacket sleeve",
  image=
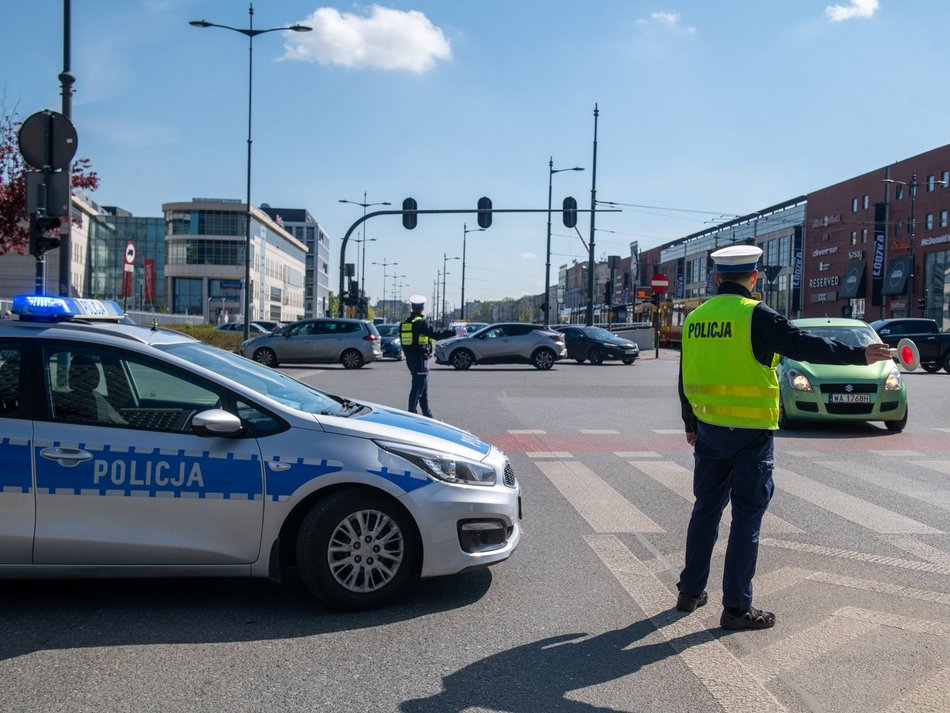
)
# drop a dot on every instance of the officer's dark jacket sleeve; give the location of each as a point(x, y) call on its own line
point(422, 327)
point(773, 334)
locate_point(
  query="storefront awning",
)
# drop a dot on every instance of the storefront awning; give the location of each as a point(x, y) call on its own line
point(853, 283)
point(895, 279)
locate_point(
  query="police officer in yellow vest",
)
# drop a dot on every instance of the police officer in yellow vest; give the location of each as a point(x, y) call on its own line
point(417, 338)
point(730, 404)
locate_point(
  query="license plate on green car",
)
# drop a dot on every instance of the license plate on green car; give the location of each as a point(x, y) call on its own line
point(849, 398)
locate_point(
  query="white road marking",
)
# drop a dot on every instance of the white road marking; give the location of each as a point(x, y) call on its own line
point(600, 431)
point(921, 550)
point(941, 466)
point(873, 517)
point(890, 480)
point(604, 508)
point(680, 481)
point(929, 697)
point(670, 431)
point(525, 431)
point(898, 454)
point(548, 454)
point(856, 556)
point(720, 672)
point(636, 454)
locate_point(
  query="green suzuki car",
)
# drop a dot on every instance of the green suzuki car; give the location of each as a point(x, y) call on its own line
point(829, 392)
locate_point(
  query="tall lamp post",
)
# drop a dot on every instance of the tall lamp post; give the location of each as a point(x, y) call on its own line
point(445, 259)
point(250, 33)
point(465, 232)
point(547, 260)
point(385, 265)
point(361, 243)
point(365, 205)
point(393, 298)
point(912, 187)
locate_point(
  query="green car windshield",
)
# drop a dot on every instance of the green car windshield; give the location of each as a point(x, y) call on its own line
point(852, 336)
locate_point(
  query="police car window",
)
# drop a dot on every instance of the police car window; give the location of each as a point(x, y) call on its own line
point(261, 379)
point(852, 336)
point(10, 382)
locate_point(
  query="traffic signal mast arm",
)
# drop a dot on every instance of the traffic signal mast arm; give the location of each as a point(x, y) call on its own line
point(445, 211)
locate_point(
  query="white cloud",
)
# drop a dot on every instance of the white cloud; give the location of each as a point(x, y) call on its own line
point(857, 9)
point(528, 255)
point(382, 39)
point(672, 20)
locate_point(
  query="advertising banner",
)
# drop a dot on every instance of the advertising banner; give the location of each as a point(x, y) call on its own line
point(149, 280)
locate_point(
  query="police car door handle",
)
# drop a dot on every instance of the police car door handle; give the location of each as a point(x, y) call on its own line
point(68, 457)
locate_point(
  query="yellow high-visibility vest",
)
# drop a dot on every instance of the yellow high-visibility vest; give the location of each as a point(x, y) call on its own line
point(406, 335)
point(722, 379)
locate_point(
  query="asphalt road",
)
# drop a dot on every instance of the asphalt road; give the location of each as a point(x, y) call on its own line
point(854, 560)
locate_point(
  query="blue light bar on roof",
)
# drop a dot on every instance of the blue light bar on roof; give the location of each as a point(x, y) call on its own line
point(43, 306)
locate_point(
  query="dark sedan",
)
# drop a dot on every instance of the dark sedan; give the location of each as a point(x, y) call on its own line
point(596, 344)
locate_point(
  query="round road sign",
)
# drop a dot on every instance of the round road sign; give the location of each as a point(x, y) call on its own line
point(130, 253)
point(47, 138)
point(659, 283)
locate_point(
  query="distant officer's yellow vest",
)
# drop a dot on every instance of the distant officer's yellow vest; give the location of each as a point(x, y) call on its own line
point(722, 379)
point(406, 334)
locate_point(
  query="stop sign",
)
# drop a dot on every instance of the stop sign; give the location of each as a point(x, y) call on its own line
point(659, 283)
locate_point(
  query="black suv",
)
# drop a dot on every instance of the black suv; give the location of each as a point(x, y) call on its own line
point(934, 346)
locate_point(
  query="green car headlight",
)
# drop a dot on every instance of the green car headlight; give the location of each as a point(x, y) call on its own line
point(799, 381)
point(893, 380)
point(443, 466)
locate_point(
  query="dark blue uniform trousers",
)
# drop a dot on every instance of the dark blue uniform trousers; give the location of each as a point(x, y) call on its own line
point(731, 464)
point(419, 391)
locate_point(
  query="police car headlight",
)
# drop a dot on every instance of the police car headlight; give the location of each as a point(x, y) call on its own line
point(443, 466)
point(798, 380)
point(893, 380)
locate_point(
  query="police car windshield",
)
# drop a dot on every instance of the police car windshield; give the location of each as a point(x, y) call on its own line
point(265, 381)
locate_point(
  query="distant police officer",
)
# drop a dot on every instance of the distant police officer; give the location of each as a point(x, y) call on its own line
point(730, 403)
point(417, 337)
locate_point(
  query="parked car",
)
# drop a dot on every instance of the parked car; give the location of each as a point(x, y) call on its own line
point(462, 328)
point(504, 343)
point(137, 451)
point(267, 325)
point(832, 392)
point(598, 345)
point(324, 340)
point(389, 341)
point(933, 346)
point(254, 328)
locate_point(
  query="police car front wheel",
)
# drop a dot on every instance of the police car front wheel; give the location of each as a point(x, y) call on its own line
point(357, 550)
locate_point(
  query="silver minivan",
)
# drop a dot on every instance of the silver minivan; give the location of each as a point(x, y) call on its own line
point(324, 340)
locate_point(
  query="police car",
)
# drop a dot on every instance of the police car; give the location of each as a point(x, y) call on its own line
point(130, 450)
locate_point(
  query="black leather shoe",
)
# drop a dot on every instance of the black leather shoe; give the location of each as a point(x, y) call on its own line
point(688, 602)
point(751, 618)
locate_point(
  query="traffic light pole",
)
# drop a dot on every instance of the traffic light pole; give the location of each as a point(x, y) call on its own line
point(412, 213)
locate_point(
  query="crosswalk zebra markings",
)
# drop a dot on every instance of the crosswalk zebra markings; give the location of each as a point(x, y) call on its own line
point(604, 508)
point(856, 556)
point(670, 431)
point(526, 432)
point(636, 454)
point(680, 481)
point(548, 454)
point(865, 514)
point(600, 431)
point(898, 454)
point(719, 671)
point(921, 550)
point(893, 481)
point(929, 697)
point(941, 466)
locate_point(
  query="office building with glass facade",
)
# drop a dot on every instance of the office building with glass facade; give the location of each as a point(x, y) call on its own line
point(205, 261)
point(299, 223)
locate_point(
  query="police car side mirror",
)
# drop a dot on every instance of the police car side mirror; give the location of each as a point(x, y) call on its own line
point(216, 422)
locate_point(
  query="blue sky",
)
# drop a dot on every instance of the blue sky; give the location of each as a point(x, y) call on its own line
point(706, 109)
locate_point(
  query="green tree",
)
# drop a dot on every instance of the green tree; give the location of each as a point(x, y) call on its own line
point(14, 225)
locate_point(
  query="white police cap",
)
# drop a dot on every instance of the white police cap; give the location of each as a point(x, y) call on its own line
point(417, 299)
point(737, 258)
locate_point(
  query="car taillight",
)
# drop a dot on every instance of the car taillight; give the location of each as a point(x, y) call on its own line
point(370, 337)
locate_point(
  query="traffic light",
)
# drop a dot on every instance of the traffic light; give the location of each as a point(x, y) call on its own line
point(40, 224)
point(484, 212)
point(608, 292)
point(409, 215)
point(570, 212)
point(922, 303)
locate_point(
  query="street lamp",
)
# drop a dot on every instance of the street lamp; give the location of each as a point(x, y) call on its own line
point(393, 298)
point(547, 261)
point(444, 273)
point(250, 33)
point(365, 205)
point(361, 245)
point(465, 232)
point(385, 265)
point(912, 187)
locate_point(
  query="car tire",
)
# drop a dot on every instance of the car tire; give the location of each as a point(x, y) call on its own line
point(266, 356)
point(462, 359)
point(595, 355)
point(946, 363)
point(543, 359)
point(580, 361)
point(931, 368)
point(900, 424)
point(351, 359)
point(628, 362)
point(784, 422)
point(356, 573)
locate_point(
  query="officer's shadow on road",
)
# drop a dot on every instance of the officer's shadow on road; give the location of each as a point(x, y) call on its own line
point(71, 614)
point(536, 677)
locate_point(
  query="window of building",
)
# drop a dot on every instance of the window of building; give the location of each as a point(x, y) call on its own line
point(187, 297)
point(943, 219)
point(930, 184)
point(929, 221)
point(945, 177)
point(864, 202)
point(854, 237)
point(898, 192)
point(854, 205)
point(864, 235)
